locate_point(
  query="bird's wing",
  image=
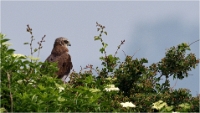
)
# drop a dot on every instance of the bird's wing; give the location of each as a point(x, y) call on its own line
point(64, 64)
point(51, 58)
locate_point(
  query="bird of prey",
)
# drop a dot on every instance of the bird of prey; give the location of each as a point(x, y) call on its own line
point(60, 55)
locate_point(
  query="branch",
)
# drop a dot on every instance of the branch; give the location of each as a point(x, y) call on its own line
point(135, 53)
point(28, 29)
point(193, 42)
point(122, 42)
point(124, 53)
point(11, 97)
point(174, 84)
point(158, 78)
point(40, 44)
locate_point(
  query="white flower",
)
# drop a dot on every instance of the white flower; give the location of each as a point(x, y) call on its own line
point(7, 44)
point(159, 105)
point(31, 81)
point(18, 55)
point(34, 58)
point(111, 79)
point(175, 112)
point(111, 87)
point(94, 90)
point(128, 104)
point(184, 105)
point(19, 81)
point(114, 78)
point(60, 88)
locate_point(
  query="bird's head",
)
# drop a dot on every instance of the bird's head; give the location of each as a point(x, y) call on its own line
point(62, 41)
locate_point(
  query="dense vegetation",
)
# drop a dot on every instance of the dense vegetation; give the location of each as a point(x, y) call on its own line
point(119, 86)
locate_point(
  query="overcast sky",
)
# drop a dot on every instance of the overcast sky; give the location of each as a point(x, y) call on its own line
point(150, 26)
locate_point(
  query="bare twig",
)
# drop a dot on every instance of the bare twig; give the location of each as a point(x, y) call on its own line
point(174, 84)
point(81, 69)
point(122, 42)
point(124, 53)
point(105, 54)
point(40, 44)
point(28, 29)
point(193, 42)
point(135, 53)
point(89, 66)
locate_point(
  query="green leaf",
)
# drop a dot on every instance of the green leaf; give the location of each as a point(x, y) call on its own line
point(143, 60)
point(2, 110)
point(41, 87)
point(105, 33)
point(4, 40)
point(35, 49)
point(25, 43)
point(88, 79)
point(103, 63)
point(10, 51)
point(97, 38)
point(167, 108)
point(102, 50)
point(61, 99)
point(101, 58)
point(105, 45)
point(34, 98)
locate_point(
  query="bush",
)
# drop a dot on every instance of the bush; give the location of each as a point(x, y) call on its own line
point(119, 86)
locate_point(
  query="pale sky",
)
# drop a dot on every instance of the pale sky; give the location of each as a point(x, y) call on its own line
point(150, 26)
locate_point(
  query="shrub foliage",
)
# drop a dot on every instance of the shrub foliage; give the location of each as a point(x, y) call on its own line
point(118, 81)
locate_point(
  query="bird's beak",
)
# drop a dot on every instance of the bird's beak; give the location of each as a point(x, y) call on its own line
point(68, 44)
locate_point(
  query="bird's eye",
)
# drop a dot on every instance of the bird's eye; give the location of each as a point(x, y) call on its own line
point(66, 41)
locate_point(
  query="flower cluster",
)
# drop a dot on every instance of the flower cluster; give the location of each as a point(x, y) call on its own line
point(159, 105)
point(128, 104)
point(111, 79)
point(30, 57)
point(18, 55)
point(33, 58)
point(60, 88)
point(7, 44)
point(30, 81)
point(94, 90)
point(111, 88)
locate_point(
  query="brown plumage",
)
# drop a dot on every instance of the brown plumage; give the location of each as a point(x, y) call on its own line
point(60, 55)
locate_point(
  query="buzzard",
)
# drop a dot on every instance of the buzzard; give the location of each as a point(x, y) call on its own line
point(60, 55)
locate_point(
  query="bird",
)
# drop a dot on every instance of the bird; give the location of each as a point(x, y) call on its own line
point(60, 54)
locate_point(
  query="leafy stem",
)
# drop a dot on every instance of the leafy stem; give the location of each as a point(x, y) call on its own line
point(118, 47)
point(31, 44)
point(32, 38)
point(101, 29)
point(40, 45)
point(109, 61)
